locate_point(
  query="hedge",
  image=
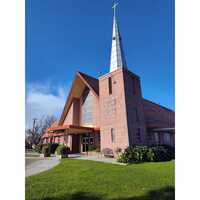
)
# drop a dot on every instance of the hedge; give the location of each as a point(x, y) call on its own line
point(156, 153)
point(62, 150)
point(46, 151)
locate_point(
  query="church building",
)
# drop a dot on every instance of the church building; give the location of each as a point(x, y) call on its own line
point(109, 112)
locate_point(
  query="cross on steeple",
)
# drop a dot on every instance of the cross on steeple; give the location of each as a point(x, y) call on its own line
point(117, 59)
point(114, 8)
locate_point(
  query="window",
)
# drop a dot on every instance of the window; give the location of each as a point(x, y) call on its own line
point(112, 135)
point(86, 107)
point(134, 85)
point(138, 135)
point(156, 138)
point(110, 85)
point(149, 136)
point(167, 138)
point(113, 38)
point(136, 115)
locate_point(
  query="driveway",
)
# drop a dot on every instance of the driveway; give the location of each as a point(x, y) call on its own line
point(37, 165)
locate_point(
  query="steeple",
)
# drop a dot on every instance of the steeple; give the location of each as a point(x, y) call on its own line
point(117, 59)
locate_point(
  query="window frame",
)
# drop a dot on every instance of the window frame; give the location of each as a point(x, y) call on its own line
point(110, 85)
point(113, 136)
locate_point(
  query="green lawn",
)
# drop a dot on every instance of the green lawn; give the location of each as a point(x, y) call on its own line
point(89, 180)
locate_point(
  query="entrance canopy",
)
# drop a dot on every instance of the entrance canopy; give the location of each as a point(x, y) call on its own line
point(69, 129)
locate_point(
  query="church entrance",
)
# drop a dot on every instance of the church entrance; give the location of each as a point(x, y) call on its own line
point(87, 143)
point(75, 144)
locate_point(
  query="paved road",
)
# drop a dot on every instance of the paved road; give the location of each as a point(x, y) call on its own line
point(37, 165)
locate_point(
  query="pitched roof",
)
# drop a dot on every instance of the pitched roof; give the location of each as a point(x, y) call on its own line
point(156, 104)
point(89, 81)
point(92, 82)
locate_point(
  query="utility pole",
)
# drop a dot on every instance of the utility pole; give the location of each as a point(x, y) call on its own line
point(34, 121)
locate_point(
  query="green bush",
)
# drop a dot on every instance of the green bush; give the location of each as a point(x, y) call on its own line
point(150, 155)
point(118, 150)
point(53, 147)
point(123, 158)
point(46, 151)
point(38, 148)
point(92, 148)
point(136, 154)
point(163, 153)
point(62, 150)
point(98, 149)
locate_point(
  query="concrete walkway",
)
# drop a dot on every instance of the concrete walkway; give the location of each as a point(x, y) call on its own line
point(40, 165)
point(99, 158)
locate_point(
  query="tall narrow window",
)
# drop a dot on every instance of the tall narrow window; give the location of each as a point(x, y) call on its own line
point(167, 138)
point(112, 135)
point(86, 107)
point(156, 138)
point(134, 85)
point(110, 85)
point(136, 115)
point(138, 135)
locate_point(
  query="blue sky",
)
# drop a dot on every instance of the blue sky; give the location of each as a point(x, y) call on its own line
point(65, 36)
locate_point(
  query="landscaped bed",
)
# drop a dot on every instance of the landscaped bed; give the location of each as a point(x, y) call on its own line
point(88, 180)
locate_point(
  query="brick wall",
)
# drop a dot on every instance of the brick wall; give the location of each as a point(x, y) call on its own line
point(134, 108)
point(69, 117)
point(113, 111)
point(158, 116)
point(73, 113)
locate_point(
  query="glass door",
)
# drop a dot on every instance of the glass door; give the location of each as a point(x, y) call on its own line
point(87, 142)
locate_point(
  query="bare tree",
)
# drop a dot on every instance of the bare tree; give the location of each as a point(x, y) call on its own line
point(34, 135)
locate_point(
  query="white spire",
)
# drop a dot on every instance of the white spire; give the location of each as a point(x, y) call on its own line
point(117, 59)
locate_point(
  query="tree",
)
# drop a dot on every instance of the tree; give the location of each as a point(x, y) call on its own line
point(34, 135)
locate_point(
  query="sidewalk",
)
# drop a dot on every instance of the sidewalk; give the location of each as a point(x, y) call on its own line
point(41, 165)
point(99, 158)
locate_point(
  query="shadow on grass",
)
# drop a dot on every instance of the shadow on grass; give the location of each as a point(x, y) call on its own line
point(167, 193)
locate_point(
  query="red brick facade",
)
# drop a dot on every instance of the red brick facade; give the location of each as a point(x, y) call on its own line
point(119, 115)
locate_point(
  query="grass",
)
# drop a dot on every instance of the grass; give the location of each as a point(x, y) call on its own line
point(89, 180)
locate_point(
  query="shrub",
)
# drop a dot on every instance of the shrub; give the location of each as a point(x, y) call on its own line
point(91, 148)
point(62, 150)
point(150, 155)
point(98, 149)
point(163, 153)
point(53, 147)
point(46, 151)
point(123, 158)
point(155, 153)
point(38, 148)
point(118, 150)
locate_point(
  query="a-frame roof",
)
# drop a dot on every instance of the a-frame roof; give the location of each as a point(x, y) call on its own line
point(91, 81)
point(80, 81)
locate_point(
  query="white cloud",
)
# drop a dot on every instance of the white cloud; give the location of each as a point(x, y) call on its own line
point(44, 99)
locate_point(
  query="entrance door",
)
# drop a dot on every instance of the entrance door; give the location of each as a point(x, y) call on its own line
point(75, 144)
point(87, 142)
